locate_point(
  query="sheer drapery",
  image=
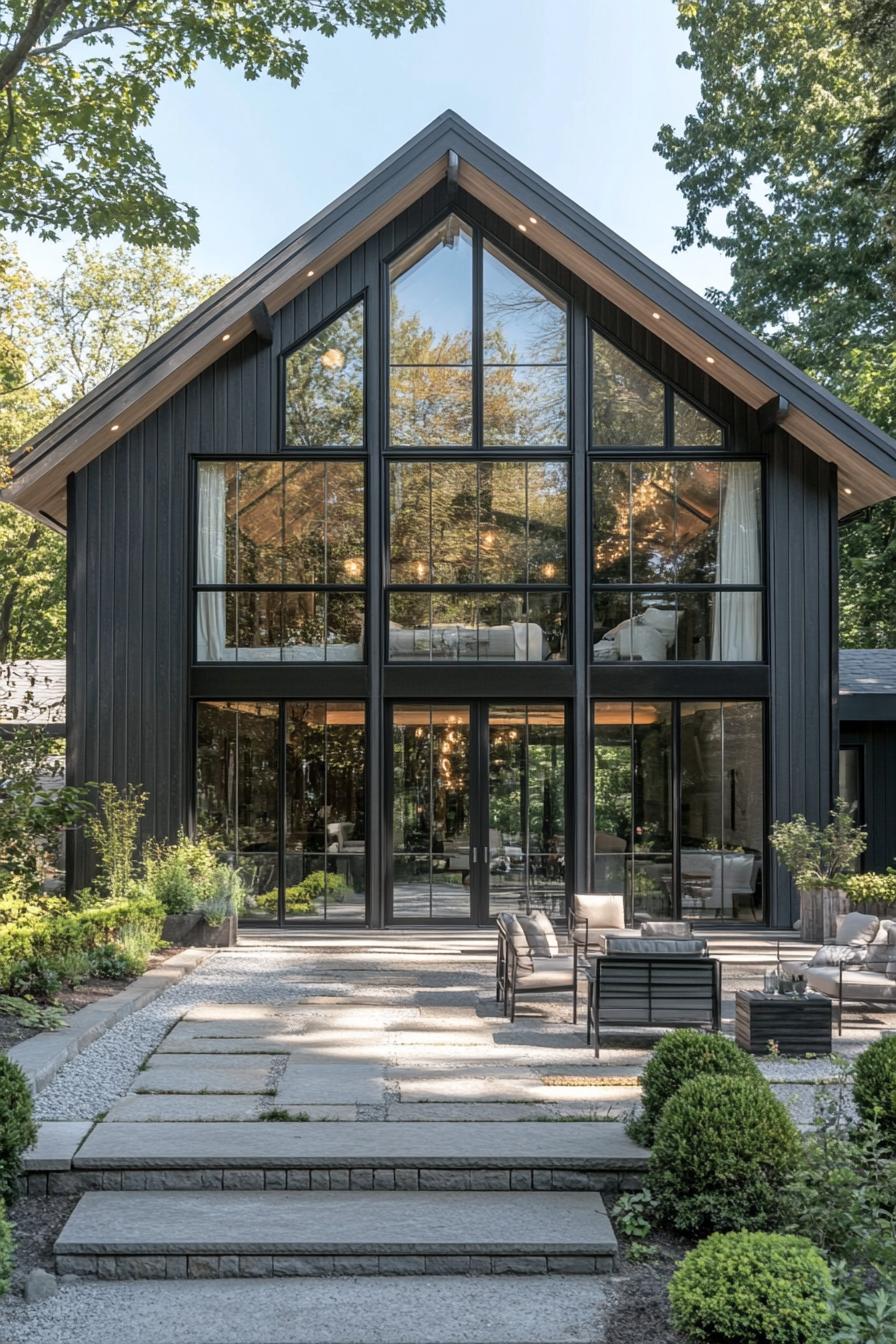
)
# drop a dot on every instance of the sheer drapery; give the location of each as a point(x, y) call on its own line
point(737, 618)
point(211, 561)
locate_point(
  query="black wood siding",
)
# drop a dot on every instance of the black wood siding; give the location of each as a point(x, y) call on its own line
point(877, 739)
point(129, 709)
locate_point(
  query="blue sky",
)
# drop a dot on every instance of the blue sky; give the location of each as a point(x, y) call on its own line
point(574, 88)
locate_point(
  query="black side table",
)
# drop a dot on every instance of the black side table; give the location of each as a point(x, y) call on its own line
point(800, 1025)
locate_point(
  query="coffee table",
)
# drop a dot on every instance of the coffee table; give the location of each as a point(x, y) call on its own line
point(798, 1024)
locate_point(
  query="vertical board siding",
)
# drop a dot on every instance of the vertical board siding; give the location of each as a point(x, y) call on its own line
point(877, 738)
point(129, 635)
point(803, 570)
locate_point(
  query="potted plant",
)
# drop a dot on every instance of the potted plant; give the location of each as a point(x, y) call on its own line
point(820, 860)
point(875, 893)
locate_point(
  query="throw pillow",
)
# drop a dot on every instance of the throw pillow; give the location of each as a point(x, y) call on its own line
point(879, 951)
point(835, 953)
point(856, 929)
point(540, 933)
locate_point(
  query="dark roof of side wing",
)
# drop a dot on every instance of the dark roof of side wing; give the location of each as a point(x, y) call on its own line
point(865, 455)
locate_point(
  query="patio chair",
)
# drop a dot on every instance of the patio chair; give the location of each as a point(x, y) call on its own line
point(594, 916)
point(855, 968)
point(530, 975)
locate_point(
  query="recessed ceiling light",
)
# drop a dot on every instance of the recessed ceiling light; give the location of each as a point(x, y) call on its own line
point(112, 428)
point(710, 360)
point(847, 490)
point(310, 272)
point(532, 219)
point(655, 316)
point(226, 336)
point(521, 227)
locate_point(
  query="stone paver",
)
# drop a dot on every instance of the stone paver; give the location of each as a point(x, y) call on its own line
point(148, 1108)
point(235, 1028)
point(332, 1222)
point(307, 1082)
point(209, 1078)
point(189, 1062)
point(57, 1142)
point(375, 1144)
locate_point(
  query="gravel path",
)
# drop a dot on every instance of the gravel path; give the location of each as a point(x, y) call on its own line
point(88, 1085)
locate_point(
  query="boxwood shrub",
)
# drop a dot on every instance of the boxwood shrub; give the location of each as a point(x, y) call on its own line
point(874, 1086)
point(17, 1128)
point(752, 1288)
point(5, 1251)
point(723, 1149)
point(679, 1057)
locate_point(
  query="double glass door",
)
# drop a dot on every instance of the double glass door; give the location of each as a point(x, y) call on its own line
point(478, 810)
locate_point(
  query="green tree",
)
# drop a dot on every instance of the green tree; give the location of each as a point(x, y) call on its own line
point(59, 338)
point(81, 79)
point(787, 167)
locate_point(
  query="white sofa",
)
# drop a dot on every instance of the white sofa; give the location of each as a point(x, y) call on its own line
point(647, 637)
point(519, 641)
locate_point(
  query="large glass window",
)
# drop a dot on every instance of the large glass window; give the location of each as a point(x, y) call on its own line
point(677, 557)
point(280, 561)
point(632, 408)
point(513, 348)
point(315, 867)
point(237, 793)
point(478, 562)
point(325, 386)
point(706, 861)
point(431, 812)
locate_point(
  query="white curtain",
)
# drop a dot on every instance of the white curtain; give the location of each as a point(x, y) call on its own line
point(211, 561)
point(737, 617)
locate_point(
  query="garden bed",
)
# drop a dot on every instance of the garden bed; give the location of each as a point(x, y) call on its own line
point(71, 1000)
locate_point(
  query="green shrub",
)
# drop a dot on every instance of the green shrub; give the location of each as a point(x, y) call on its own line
point(226, 894)
point(875, 889)
point(874, 1086)
point(180, 875)
point(17, 1128)
point(6, 1255)
point(113, 831)
point(722, 1152)
point(111, 962)
point(679, 1057)
point(33, 978)
point(752, 1288)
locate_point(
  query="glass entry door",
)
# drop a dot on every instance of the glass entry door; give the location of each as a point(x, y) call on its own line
point(478, 811)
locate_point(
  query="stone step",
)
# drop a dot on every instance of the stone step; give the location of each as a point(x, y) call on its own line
point(295, 1155)
point(242, 1234)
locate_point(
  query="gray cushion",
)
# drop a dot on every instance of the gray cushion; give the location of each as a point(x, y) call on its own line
point(540, 932)
point(597, 938)
point(602, 911)
point(879, 954)
point(516, 934)
point(656, 947)
point(666, 928)
point(547, 973)
point(833, 953)
point(856, 929)
point(858, 986)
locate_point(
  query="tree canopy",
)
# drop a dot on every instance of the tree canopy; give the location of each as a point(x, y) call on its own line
point(80, 81)
point(58, 338)
point(788, 167)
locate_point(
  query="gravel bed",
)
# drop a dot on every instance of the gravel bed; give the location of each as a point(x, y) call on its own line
point(89, 1084)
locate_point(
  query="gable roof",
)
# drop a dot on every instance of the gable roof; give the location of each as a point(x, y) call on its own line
point(865, 456)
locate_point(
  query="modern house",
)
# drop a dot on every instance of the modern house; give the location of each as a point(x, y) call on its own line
point(868, 747)
point(455, 557)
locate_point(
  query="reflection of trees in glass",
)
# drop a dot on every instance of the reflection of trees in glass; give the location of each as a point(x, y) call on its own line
point(692, 429)
point(325, 386)
point(486, 522)
point(431, 779)
point(236, 787)
point(628, 401)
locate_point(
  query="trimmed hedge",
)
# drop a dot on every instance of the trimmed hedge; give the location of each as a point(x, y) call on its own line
point(723, 1151)
point(680, 1056)
point(874, 1086)
point(17, 1128)
point(51, 937)
point(6, 1256)
point(752, 1288)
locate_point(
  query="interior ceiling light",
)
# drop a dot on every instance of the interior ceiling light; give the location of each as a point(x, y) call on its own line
point(333, 359)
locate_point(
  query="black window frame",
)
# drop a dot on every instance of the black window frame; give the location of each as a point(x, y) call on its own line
point(196, 588)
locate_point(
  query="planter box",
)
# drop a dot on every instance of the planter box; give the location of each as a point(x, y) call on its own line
point(819, 911)
point(194, 930)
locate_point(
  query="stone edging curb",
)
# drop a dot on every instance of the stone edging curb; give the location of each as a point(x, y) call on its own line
point(42, 1056)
